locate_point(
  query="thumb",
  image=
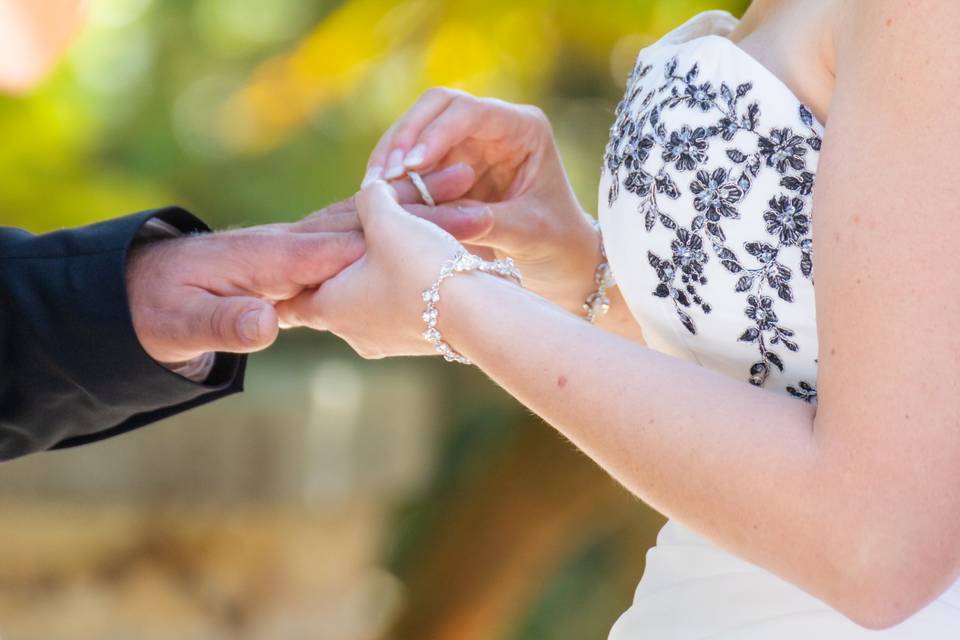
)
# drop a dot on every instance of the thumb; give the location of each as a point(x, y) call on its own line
point(232, 324)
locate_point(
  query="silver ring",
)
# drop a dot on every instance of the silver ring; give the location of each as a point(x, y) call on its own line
point(421, 187)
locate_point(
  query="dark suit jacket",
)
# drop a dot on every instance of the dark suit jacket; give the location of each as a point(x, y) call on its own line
point(71, 368)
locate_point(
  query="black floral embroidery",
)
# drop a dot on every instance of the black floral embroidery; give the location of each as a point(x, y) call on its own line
point(718, 183)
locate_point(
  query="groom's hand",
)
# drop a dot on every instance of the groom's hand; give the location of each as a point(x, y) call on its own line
point(215, 292)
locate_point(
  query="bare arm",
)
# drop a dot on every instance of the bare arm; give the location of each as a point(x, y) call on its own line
point(860, 503)
point(857, 502)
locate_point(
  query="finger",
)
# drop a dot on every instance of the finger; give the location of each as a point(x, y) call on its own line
point(308, 259)
point(501, 225)
point(465, 223)
point(329, 220)
point(444, 185)
point(376, 201)
point(397, 142)
point(484, 119)
point(277, 264)
point(235, 324)
point(301, 311)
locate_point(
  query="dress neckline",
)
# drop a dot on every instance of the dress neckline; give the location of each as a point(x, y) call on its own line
point(714, 26)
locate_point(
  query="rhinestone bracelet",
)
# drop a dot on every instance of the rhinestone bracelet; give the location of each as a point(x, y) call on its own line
point(463, 261)
point(598, 302)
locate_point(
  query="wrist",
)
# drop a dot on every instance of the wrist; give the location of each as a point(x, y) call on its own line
point(464, 263)
point(573, 281)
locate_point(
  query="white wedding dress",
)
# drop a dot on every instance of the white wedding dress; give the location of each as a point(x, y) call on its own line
point(705, 206)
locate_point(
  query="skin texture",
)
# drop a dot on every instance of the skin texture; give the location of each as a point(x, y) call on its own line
point(216, 292)
point(856, 501)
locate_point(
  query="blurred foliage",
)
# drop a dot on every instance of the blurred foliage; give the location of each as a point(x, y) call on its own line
point(247, 112)
point(251, 112)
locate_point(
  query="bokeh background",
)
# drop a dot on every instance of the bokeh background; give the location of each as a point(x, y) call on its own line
point(336, 499)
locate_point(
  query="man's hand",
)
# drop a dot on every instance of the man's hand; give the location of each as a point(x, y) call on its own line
point(215, 292)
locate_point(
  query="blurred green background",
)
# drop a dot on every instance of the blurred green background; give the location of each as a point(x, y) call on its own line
point(337, 498)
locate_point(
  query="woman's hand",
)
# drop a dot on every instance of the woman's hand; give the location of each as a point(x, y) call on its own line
point(375, 304)
point(521, 186)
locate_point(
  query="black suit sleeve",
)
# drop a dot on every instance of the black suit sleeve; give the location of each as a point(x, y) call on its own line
point(72, 370)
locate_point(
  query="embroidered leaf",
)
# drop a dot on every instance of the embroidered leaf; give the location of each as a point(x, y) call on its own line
point(744, 89)
point(667, 221)
point(737, 155)
point(667, 186)
point(790, 345)
point(815, 142)
point(732, 266)
point(784, 331)
point(744, 182)
point(654, 116)
point(806, 116)
point(727, 94)
point(785, 292)
point(806, 264)
point(653, 259)
point(662, 291)
point(754, 166)
point(697, 223)
point(750, 335)
point(774, 359)
point(785, 272)
point(693, 73)
point(752, 119)
point(726, 254)
point(614, 192)
point(670, 68)
point(650, 219)
point(687, 322)
point(682, 298)
point(744, 284)
point(715, 231)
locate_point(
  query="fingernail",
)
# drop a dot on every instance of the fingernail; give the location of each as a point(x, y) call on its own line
point(394, 164)
point(474, 211)
point(250, 325)
point(416, 156)
point(373, 174)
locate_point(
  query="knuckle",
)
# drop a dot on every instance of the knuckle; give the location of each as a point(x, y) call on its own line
point(219, 325)
point(536, 115)
point(438, 93)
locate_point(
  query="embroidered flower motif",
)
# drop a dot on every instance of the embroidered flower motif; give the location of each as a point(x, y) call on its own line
point(759, 268)
point(688, 253)
point(701, 97)
point(687, 148)
point(716, 194)
point(781, 148)
point(786, 219)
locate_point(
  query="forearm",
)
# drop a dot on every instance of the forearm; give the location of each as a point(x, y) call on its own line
point(736, 463)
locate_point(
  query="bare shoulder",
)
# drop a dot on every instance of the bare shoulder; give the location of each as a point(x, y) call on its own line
point(907, 30)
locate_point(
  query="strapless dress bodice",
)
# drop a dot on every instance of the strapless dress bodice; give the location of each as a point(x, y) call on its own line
point(706, 209)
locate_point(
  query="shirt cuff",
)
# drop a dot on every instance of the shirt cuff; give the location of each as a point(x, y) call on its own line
point(198, 369)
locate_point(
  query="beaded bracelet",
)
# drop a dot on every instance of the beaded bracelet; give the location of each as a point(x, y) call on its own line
point(598, 302)
point(460, 263)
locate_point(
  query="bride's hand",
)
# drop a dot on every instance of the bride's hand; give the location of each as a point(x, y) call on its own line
point(521, 183)
point(375, 304)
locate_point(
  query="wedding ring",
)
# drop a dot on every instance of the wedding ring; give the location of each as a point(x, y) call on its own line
point(421, 187)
